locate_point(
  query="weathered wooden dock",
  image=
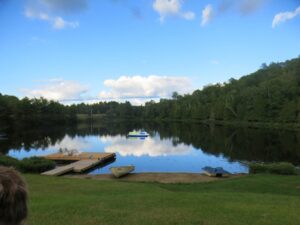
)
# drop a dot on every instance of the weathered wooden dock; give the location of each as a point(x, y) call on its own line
point(81, 156)
point(81, 162)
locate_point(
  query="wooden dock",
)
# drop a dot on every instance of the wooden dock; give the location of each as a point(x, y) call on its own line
point(81, 156)
point(83, 162)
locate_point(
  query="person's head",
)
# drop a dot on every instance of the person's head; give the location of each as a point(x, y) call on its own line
point(13, 197)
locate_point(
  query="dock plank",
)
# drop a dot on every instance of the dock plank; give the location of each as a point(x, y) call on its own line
point(59, 170)
point(77, 167)
point(84, 165)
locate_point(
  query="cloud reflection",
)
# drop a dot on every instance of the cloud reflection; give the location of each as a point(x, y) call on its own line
point(69, 143)
point(149, 147)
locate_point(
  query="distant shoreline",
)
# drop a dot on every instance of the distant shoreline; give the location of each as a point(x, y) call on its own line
point(245, 124)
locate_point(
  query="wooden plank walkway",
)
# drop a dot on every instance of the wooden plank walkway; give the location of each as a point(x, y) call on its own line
point(59, 170)
point(84, 161)
point(82, 156)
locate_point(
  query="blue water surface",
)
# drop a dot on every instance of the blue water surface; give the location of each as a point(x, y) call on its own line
point(151, 154)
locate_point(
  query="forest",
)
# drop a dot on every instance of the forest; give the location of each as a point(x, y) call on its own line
point(271, 94)
point(33, 111)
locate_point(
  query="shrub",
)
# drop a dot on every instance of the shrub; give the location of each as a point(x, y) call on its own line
point(257, 168)
point(9, 161)
point(283, 168)
point(36, 165)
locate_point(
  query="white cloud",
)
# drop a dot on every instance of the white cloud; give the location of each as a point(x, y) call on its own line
point(58, 90)
point(207, 15)
point(142, 101)
point(136, 89)
point(167, 8)
point(42, 11)
point(60, 23)
point(141, 88)
point(284, 16)
point(148, 147)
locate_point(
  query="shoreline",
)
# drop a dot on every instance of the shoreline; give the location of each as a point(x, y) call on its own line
point(165, 178)
point(291, 126)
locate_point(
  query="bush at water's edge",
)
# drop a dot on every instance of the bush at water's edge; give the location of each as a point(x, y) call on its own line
point(36, 165)
point(28, 165)
point(283, 168)
point(9, 161)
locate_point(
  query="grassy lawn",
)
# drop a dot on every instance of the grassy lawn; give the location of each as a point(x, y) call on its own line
point(259, 199)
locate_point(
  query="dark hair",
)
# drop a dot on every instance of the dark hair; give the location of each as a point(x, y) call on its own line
point(13, 197)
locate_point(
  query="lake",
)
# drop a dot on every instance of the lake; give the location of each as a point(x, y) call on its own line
point(171, 147)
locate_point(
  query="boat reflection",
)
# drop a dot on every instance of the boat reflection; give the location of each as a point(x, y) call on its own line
point(136, 138)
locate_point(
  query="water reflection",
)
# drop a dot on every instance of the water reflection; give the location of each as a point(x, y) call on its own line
point(150, 146)
point(68, 143)
point(170, 145)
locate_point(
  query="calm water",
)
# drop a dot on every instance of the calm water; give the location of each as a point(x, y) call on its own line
point(171, 147)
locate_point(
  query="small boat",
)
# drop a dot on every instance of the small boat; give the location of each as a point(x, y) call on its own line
point(215, 172)
point(138, 134)
point(121, 170)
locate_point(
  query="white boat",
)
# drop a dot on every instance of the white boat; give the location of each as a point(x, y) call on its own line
point(121, 170)
point(138, 134)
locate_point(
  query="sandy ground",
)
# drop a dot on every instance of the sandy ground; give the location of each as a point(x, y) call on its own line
point(157, 177)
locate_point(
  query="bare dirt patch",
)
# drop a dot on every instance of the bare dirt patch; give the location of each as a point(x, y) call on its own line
point(157, 177)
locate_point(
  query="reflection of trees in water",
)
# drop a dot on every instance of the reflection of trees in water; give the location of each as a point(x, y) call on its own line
point(238, 143)
point(27, 137)
point(234, 143)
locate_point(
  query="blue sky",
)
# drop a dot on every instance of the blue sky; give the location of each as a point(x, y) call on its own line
point(133, 50)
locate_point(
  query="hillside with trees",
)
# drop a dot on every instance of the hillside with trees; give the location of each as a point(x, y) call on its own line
point(270, 95)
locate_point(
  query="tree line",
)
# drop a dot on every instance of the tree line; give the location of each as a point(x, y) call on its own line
point(271, 94)
point(34, 110)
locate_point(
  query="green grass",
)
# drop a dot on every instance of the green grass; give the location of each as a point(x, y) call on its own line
point(253, 200)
